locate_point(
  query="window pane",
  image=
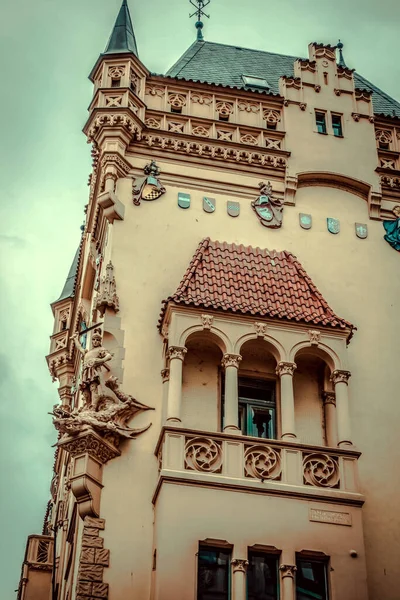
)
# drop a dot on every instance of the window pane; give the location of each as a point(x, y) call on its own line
point(261, 422)
point(321, 123)
point(257, 408)
point(262, 577)
point(311, 580)
point(337, 125)
point(213, 574)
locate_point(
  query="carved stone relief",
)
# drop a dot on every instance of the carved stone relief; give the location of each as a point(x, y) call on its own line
point(148, 187)
point(268, 208)
point(203, 454)
point(262, 462)
point(107, 296)
point(321, 470)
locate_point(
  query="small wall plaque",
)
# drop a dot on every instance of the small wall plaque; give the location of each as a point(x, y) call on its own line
point(361, 231)
point(333, 225)
point(330, 516)
point(233, 208)
point(183, 200)
point(305, 221)
point(209, 204)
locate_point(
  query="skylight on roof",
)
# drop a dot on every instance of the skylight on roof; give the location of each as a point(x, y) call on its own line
point(259, 82)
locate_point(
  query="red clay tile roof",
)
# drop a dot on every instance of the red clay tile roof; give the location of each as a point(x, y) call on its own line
point(253, 281)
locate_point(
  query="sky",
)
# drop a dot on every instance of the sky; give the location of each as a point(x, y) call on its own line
point(47, 49)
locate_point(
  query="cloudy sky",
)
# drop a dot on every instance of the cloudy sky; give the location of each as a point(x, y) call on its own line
point(47, 48)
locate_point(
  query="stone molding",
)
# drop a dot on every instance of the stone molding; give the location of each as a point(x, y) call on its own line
point(339, 376)
point(231, 360)
point(285, 368)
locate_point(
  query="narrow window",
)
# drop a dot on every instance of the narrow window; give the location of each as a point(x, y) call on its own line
point(176, 109)
point(311, 579)
point(115, 83)
point(320, 122)
point(271, 125)
point(213, 581)
point(257, 408)
point(337, 125)
point(262, 576)
point(223, 117)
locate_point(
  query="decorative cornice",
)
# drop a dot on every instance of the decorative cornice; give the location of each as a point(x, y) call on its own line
point(117, 120)
point(239, 565)
point(339, 376)
point(89, 442)
point(231, 360)
point(177, 352)
point(288, 571)
point(285, 368)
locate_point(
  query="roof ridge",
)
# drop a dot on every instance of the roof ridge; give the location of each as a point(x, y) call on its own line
point(254, 50)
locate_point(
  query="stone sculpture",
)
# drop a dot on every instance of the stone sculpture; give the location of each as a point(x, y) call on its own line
point(392, 229)
point(268, 208)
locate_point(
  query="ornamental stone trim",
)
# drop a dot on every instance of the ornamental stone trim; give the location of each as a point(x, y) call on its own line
point(261, 329)
point(91, 443)
point(177, 352)
point(92, 561)
point(231, 360)
point(239, 565)
point(207, 321)
point(339, 376)
point(165, 375)
point(314, 336)
point(329, 398)
point(288, 571)
point(285, 368)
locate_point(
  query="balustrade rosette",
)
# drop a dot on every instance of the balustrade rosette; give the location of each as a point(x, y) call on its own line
point(233, 459)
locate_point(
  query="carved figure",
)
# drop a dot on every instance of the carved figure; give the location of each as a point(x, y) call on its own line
point(392, 229)
point(267, 208)
point(110, 417)
point(93, 361)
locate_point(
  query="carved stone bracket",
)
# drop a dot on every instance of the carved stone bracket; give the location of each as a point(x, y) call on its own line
point(315, 336)
point(113, 209)
point(239, 564)
point(339, 376)
point(231, 360)
point(261, 329)
point(286, 368)
point(288, 571)
point(207, 321)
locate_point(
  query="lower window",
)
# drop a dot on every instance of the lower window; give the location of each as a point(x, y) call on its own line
point(213, 573)
point(262, 577)
point(257, 408)
point(311, 579)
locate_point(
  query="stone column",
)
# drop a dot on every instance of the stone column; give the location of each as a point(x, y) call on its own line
point(285, 371)
point(288, 584)
point(239, 568)
point(176, 355)
point(231, 409)
point(340, 380)
point(329, 400)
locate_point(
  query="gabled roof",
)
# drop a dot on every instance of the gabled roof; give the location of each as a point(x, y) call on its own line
point(209, 62)
point(122, 37)
point(69, 285)
point(247, 280)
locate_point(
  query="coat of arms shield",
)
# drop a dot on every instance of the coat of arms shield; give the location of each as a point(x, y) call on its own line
point(233, 208)
point(183, 200)
point(305, 221)
point(333, 225)
point(267, 208)
point(209, 204)
point(361, 231)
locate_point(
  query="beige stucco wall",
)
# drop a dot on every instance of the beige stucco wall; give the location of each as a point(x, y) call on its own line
point(151, 250)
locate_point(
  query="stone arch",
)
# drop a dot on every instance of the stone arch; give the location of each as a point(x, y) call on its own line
point(217, 335)
point(275, 347)
point(322, 351)
point(336, 180)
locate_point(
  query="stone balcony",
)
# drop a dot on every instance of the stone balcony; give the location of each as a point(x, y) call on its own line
point(254, 464)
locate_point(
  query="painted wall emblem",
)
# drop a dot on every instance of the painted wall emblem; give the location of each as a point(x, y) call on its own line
point(148, 188)
point(392, 229)
point(183, 200)
point(361, 231)
point(233, 208)
point(267, 208)
point(305, 221)
point(333, 225)
point(209, 204)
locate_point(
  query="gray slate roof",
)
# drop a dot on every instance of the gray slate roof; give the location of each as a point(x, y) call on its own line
point(122, 38)
point(69, 286)
point(209, 62)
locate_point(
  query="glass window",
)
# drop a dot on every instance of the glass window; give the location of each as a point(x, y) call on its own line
point(320, 122)
point(213, 581)
point(337, 125)
point(262, 576)
point(311, 579)
point(258, 82)
point(115, 83)
point(257, 408)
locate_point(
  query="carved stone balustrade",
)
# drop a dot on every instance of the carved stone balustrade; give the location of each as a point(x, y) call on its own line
point(273, 466)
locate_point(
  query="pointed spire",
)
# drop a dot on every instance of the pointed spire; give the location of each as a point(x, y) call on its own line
point(341, 62)
point(199, 12)
point(122, 38)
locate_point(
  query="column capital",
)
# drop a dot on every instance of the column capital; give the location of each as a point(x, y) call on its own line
point(285, 368)
point(239, 564)
point(329, 398)
point(231, 360)
point(288, 571)
point(165, 375)
point(339, 376)
point(177, 352)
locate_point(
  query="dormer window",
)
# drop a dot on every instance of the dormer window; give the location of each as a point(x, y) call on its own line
point(255, 82)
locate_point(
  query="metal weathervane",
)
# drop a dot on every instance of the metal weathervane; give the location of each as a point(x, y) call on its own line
point(199, 12)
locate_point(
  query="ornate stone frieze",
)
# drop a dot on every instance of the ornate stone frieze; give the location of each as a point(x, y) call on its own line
point(203, 99)
point(239, 565)
point(361, 94)
point(250, 107)
point(153, 123)
point(252, 140)
point(177, 352)
point(390, 182)
point(203, 454)
point(114, 120)
point(215, 152)
point(327, 52)
point(154, 90)
point(339, 376)
point(261, 329)
point(88, 442)
point(201, 131)
point(113, 160)
point(288, 571)
point(271, 116)
point(224, 108)
point(314, 336)
point(383, 136)
point(116, 72)
point(262, 462)
point(107, 296)
point(175, 127)
point(285, 368)
point(207, 321)
point(177, 101)
point(321, 470)
point(231, 360)
point(329, 398)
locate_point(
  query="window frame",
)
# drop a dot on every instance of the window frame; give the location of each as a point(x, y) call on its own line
point(271, 552)
point(215, 546)
point(340, 117)
point(255, 79)
point(249, 402)
point(319, 558)
point(323, 114)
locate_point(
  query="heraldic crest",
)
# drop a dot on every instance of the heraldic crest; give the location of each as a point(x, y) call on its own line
point(267, 208)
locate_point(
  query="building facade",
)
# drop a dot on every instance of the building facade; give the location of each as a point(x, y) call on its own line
point(226, 341)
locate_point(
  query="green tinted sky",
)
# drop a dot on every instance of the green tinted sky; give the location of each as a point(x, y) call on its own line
point(47, 48)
